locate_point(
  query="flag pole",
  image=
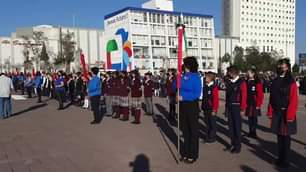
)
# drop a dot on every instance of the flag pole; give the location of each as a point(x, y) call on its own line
point(178, 126)
point(180, 27)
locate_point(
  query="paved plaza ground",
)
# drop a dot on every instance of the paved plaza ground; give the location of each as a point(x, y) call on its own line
point(41, 139)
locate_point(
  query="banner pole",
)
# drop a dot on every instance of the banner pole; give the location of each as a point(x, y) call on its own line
point(178, 127)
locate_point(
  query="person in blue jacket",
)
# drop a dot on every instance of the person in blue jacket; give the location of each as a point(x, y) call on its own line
point(94, 93)
point(190, 92)
point(38, 82)
point(60, 89)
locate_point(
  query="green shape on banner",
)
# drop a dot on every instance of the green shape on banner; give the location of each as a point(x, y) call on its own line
point(111, 46)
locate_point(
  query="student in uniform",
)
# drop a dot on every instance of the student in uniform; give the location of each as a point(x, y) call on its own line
point(148, 93)
point(190, 92)
point(255, 99)
point(171, 92)
point(107, 94)
point(236, 105)
point(71, 88)
point(38, 83)
point(210, 105)
point(124, 96)
point(136, 94)
point(282, 110)
point(94, 93)
point(115, 94)
point(60, 90)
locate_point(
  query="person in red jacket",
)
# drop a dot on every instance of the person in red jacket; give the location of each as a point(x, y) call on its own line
point(254, 101)
point(115, 94)
point(210, 105)
point(108, 94)
point(282, 110)
point(236, 101)
point(123, 91)
point(148, 93)
point(136, 94)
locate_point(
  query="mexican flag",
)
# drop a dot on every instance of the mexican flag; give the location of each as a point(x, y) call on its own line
point(182, 50)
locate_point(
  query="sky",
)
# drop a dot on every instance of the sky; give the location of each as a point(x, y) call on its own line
point(90, 13)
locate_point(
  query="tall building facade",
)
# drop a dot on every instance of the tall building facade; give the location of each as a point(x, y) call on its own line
point(148, 37)
point(268, 25)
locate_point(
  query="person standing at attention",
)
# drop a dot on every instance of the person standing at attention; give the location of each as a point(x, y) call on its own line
point(190, 93)
point(94, 93)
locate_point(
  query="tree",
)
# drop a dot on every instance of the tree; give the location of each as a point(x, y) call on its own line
point(38, 38)
point(252, 58)
point(226, 58)
point(239, 60)
point(26, 54)
point(32, 46)
point(44, 58)
point(296, 69)
point(66, 54)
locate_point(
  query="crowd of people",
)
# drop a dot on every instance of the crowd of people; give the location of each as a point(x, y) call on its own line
point(120, 95)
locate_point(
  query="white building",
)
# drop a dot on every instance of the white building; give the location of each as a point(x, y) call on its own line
point(90, 41)
point(150, 38)
point(225, 45)
point(267, 24)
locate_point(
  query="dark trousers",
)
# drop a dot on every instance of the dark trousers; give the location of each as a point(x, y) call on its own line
point(211, 123)
point(95, 106)
point(283, 146)
point(38, 94)
point(189, 114)
point(22, 88)
point(29, 91)
point(71, 96)
point(60, 99)
point(253, 123)
point(234, 123)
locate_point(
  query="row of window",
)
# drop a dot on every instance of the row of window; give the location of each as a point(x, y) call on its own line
point(269, 15)
point(170, 19)
point(266, 41)
point(278, 3)
point(267, 21)
point(281, 29)
point(267, 34)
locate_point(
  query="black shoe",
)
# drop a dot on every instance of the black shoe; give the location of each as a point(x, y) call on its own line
point(136, 122)
point(183, 159)
point(229, 148)
point(235, 151)
point(124, 119)
point(94, 123)
point(281, 164)
point(190, 161)
point(252, 135)
point(210, 141)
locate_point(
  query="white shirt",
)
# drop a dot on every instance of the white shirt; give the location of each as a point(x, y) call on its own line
point(235, 79)
point(6, 86)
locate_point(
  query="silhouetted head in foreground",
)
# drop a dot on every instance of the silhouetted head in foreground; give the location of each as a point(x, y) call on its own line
point(141, 164)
